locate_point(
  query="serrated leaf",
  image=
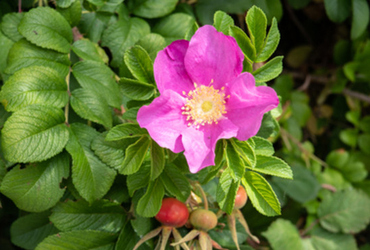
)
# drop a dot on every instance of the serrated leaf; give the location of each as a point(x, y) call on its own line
point(246, 152)
point(100, 79)
point(337, 11)
point(124, 131)
point(271, 42)
point(174, 26)
point(157, 159)
point(91, 26)
point(234, 161)
point(29, 230)
point(226, 192)
point(322, 239)
point(244, 42)
point(24, 54)
point(34, 85)
point(270, 70)
point(120, 36)
point(101, 215)
point(257, 23)
point(34, 133)
point(263, 146)
point(139, 179)
point(273, 166)
point(222, 22)
point(5, 44)
point(90, 106)
point(340, 211)
point(152, 43)
point(175, 182)
point(150, 203)
point(261, 194)
point(91, 177)
point(134, 157)
point(88, 50)
point(360, 18)
point(81, 239)
point(282, 234)
point(73, 13)
point(130, 114)
point(153, 8)
point(9, 26)
point(36, 187)
point(136, 90)
point(46, 28)
point(139, 63)
point(128, 238)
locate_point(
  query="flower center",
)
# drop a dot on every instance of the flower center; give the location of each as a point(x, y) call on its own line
point(204, 105)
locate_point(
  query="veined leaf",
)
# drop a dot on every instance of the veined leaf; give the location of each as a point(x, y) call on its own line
point(261, 194)
point(78, 240)
point(150, 203)
point(29, 230)
point(154, 8)
point(175, 182)
point(36, 187)
point(222, 22)
point(134, 157)
point(9, 26)
point(139, 63)
point(263, 146)
point(246, 152)
point(257, 23)
point(139, 179)
point(271, 42)
point(100, 79)
point(88, 50)
point(234, 161)
point(122, 35)
point(157, 159)
point(273, 166)
point(46, 28)
point(244, 42)
point(87, 104)
point(91, 177)
point(128, 238)
point(24, 54)
point(270, 70)
point(101, 215)
point(226, 192)
point(136, 90)
point(34, 133)
point(124, 131)
point(322, 239)
point(34, 85)
point(73, 13)
point(152, 43)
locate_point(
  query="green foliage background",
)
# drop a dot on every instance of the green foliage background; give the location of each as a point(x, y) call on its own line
point(75, 174)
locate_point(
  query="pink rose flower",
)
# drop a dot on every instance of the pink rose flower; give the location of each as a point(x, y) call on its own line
point(204, 97)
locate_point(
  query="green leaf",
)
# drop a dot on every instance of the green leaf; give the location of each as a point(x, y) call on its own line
point(101, 215)
point(79, 239)
point(341, 211)
point(91, 177)
point(349, 136)
point(5, 46)
point(34, 133)
point(46, 28)
point(36, 187)
point(29, 230)
point(34, 85)
point(124, 131)
point(271, 42)
point(91, 26)
point(100, 79)
point(257, 23)
point(24, 54)
point(174, 26)
point(64, 3)
point(72, 14)
point(365, 124)
point(337, 11)
point(87, 104)
point(304, 187)
point(298, 4)
point(263, 146)
point(157, 159)
point(300, 107)
point(246, 152)
point(360, 18)
point(152, 43)
point(153, 8)
point(322, 239)
point(139, 63)
point(128, 238)
point(364, 143)
point(134, 157)
point(234, 161)
point(139, 179)
point(273, 166)
point(226, 192)
point(282, 234)
point(261, 194)
point(150, 203)
point(244, 42)
point(136, 90)
point(88, 50)
point(270, 70)
point(9, 26)
point(175, 182)
point(222, 22)
point(119, 36)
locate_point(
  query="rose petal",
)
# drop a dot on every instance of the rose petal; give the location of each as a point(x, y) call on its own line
point(169, 69)
point(200, 144)
point(248, 103)
point(213, 56)
point(164, 120)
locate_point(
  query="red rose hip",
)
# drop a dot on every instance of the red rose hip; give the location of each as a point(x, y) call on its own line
point(241, 198)
point(173, 213)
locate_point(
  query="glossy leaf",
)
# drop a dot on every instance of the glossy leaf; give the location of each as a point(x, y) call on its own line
point(154, 8)
point(222, 22)
point(244, 42)
point(152, 43)
point(36, 187)
point(273, 166)
point(270, 70)
point(136, 90)
point(263, 146)
point(89, 50)
point(139, 63)
point(157, 159)
point(139, 179)
point(124, 131)
point(150, 203)
point(34, 133)
point(257, 23)
point(175, 182)
point(246, 152)
point(271, 42)
point(226, 192)
point(234, 162)
point(134, 156)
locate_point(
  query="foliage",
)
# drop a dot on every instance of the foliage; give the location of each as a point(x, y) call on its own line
point(78, 172)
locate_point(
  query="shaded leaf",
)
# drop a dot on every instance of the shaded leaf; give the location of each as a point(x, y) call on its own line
point(150, 203)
